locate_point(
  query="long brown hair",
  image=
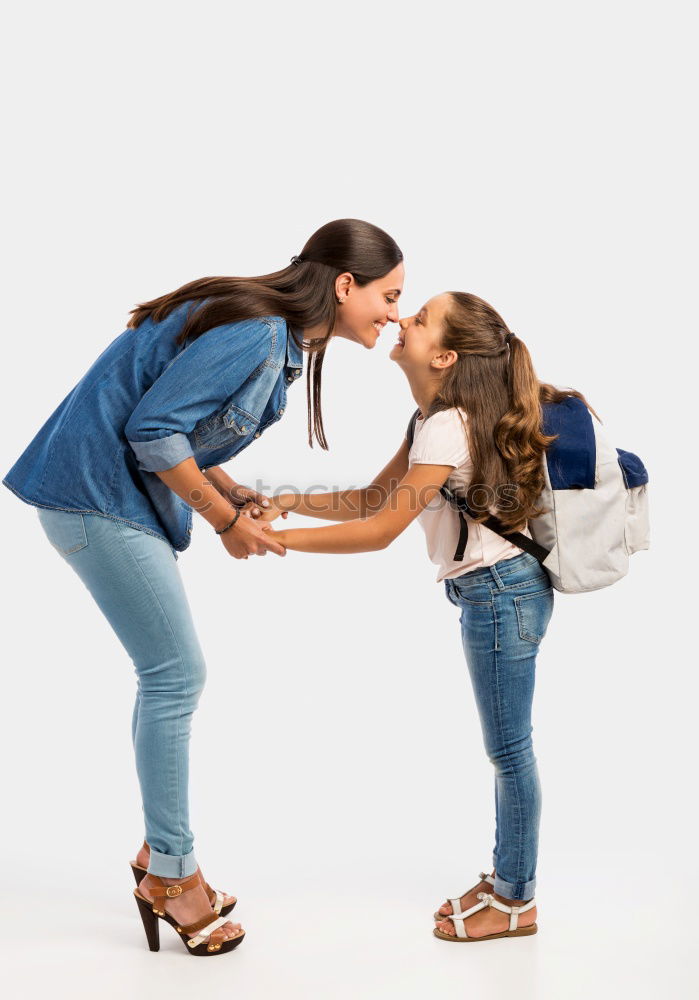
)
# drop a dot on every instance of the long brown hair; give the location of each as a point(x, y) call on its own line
point(494, 381)
point(303, 293)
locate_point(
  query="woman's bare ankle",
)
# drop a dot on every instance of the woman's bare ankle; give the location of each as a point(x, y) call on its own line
point(143, 855)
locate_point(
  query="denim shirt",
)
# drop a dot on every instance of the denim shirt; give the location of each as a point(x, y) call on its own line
point(145, 405)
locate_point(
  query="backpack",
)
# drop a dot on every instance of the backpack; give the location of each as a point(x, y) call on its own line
point(595, 499)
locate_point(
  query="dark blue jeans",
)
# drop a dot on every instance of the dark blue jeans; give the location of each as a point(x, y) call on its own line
point(505, 611)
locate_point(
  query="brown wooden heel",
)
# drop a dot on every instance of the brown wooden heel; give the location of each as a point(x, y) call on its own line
point(150, 924)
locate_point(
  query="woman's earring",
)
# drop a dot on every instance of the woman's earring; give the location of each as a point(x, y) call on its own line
point(340, 301)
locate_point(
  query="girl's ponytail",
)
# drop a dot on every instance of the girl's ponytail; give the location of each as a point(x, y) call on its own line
point(518, 435)
point(494, 381)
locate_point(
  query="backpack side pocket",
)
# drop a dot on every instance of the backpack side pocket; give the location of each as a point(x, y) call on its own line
point(637, 521)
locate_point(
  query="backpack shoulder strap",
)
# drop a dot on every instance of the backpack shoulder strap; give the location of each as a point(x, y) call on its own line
point(517, 538)
point(410, 432)
point(459, 504)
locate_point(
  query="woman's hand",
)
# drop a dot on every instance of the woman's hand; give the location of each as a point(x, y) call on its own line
point(270, 513)
point(236, 494)
point(246, 538)
point(244, 496)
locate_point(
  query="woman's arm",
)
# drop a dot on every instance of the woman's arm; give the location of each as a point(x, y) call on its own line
point(347, 505)
point(245, 538)
point(198, 382)
point(416, 490)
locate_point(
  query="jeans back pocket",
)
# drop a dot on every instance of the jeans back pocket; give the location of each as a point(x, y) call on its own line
point(534, 614)
point(65, 529)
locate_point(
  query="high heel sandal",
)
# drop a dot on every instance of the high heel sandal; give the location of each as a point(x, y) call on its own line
point(217, 906)
point(193, 935)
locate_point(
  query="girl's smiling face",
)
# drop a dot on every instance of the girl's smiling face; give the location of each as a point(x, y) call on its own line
point(418, 347)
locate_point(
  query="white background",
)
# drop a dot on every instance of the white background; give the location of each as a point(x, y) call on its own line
point(536, 154)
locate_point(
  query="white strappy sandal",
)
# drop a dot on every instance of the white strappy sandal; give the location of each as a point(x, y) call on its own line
point(446, 916)
point(486, 899)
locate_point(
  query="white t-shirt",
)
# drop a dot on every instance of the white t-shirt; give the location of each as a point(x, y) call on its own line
point(441, 440)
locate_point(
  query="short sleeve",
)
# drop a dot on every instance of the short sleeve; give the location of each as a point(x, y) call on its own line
point(200, 379)
point(441, 441)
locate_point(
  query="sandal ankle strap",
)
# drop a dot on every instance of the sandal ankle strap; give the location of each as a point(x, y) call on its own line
point(514, 911)
point(160, 889)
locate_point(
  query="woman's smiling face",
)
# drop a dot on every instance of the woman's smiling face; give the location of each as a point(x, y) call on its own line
point(366, 310)
point(419, 339)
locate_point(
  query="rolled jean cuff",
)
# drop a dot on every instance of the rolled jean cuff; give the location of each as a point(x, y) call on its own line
point(514, 890)
point(172, 865)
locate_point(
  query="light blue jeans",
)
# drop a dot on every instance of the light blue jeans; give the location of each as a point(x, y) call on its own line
point(134, 578)
point(505, 611)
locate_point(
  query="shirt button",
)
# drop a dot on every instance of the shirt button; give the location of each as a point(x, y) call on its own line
point(297, 371)
point(243, 428)
point(290, 378)
point(257, 434)
point(280, 411)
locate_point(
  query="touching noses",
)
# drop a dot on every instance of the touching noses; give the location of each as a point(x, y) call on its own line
point(392, 313)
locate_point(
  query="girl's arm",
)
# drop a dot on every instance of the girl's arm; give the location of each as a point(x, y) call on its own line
point(418, 487)
point(349, 504)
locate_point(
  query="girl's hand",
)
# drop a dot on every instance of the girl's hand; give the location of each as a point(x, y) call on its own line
point(246, 538)
point(277, 536)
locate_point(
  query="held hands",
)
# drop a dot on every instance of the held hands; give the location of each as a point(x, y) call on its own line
point(236, 494)
point(246, 538)
point(271, 513)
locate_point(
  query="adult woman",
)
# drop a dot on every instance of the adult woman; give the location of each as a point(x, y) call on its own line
point(479, 430)
point(115, 471)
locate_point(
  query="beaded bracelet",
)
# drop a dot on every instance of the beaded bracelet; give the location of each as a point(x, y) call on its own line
point(231, 523)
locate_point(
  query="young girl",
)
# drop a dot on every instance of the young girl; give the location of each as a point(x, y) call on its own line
point(479, 432)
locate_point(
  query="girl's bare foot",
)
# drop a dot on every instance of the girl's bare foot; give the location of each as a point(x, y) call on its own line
point(143, 859)
point(190, 907)
point(469, 899)
point(488, 920)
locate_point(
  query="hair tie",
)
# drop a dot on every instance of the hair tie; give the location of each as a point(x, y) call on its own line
point(296, 259)
point(509, 336)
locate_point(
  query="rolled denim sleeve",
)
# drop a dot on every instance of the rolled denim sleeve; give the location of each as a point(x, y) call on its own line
point(196, 383)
